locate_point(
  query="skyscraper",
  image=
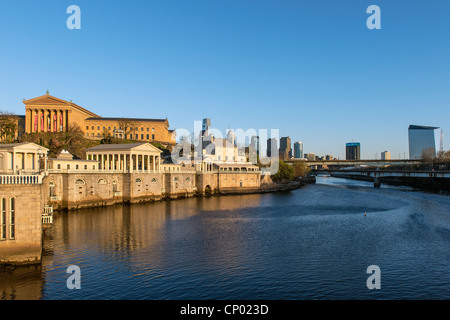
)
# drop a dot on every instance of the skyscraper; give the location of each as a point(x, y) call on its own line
point(254, 144)
point(298, 150)
point(353, 151)
point(421, 138)
point(272, 145)
point(285, 148)
point(205, 126)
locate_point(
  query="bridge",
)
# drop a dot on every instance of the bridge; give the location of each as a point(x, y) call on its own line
point(320, 164)
point(423, 179)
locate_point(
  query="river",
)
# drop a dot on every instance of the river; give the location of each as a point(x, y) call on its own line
point(311, 243)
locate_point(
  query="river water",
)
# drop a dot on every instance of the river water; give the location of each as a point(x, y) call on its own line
point(312, 243)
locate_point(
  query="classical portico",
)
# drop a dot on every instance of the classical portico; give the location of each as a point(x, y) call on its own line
point(127, 157)
point(50, 114)
point(18, 158)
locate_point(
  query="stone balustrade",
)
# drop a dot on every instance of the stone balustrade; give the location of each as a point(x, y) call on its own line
point(21, 179)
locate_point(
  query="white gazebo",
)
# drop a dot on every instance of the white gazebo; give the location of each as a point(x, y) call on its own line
point(21, 158)
point(126, 157)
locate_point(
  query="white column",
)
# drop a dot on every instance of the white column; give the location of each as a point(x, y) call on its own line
point(148, 163)
point(159, 164)
point(124, 163)
point(131, 162)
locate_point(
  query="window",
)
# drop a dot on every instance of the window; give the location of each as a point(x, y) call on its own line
point(153, 137)
point(153, 129)
point(102, 181)
point(98, 127)
point(175, 179)
point(137, 136)
point(68, 166)
point(142, 137)
point(138, 180)
point(148, 129)
point(76, 167)
point(147, 136)
point(154, 180)
point(51, 187)
point(87, 127)
point(92, 127)
point(92, 134)
point(104, 128)
point(109, 128)
point(2, 219)
point(12, 219)
point(80, 182)
point(142, 128)
point(59, 166)
point(93, 167)
point(85, 167)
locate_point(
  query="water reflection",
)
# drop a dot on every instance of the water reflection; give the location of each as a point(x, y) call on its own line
point(312, 243)
point(21, 283)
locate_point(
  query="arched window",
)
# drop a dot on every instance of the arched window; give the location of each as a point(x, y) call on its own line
point(80, 182)
point(102, 181)
point(175, 179)
point(138, 180)
point(51, 189)
point(188, 179)
point(154, 180)
point(2, 219)
point(12, 218)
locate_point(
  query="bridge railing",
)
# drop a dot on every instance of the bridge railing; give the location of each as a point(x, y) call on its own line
point(394, 173)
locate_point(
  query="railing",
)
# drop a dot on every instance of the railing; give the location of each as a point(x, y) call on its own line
point(386, 173)
point(21, 179)
point(47, 216)
point(117, 193)
point(47, 219)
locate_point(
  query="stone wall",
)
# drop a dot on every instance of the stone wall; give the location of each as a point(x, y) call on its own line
point(26, 247)
point(76, 191)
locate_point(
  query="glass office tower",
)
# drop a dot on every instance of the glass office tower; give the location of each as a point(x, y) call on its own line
point(298, 150)
point(353, 151)
point(420, 138)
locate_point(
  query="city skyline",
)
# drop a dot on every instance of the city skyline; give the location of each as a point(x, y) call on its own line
point(274, 67)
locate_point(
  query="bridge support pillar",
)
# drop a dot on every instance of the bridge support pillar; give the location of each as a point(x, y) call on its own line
point(376, 183)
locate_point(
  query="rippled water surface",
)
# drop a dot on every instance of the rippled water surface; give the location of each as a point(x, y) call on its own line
point(312, 243)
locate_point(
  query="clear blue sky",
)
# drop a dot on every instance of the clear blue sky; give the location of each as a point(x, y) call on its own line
point(309, 68)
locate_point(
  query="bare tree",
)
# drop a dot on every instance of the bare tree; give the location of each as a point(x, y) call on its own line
point(126, 125)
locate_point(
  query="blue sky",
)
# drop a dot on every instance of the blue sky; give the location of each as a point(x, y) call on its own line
point(309, 68)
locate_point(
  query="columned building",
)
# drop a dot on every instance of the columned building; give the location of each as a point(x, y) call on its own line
point(21, 158)
point(127, 157)
point(50, 114)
